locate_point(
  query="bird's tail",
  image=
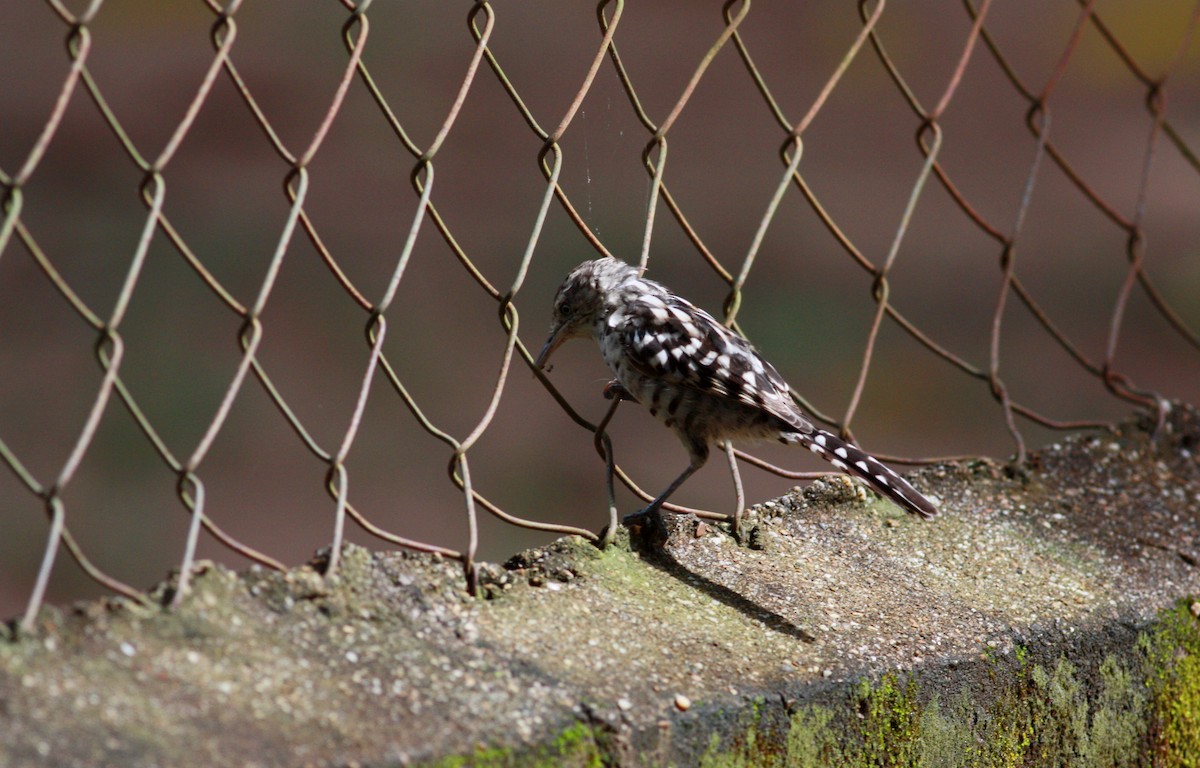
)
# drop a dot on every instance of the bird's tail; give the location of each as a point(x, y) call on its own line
point(849, 458)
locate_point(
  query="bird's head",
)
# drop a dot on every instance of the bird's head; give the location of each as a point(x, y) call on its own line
point(584, 299)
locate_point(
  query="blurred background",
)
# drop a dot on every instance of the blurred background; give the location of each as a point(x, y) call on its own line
point(806, 303)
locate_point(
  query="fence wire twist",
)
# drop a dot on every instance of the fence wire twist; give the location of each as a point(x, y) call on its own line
point(381, 373)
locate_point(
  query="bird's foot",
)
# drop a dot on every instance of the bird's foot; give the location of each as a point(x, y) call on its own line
point(614, 391)
point(649, 526)
point(641, 517)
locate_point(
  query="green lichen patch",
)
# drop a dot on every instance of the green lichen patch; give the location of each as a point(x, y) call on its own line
point(1173, 650)
point(577, 746)
point(1137, 701)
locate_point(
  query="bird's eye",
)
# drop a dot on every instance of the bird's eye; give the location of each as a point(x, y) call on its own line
point(564, 308)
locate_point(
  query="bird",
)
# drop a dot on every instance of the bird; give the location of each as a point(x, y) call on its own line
point(701, 379)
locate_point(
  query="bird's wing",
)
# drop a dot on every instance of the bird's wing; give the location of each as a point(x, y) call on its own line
point(668, 338)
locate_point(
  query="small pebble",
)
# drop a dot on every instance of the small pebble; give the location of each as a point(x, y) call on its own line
point(1195, 609)
point(624, 704)
point(682, 703)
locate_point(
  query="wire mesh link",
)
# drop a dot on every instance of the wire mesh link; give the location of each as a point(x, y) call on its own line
point(615, 63)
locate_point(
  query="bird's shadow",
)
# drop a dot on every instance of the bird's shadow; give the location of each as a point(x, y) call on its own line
point(649, 543)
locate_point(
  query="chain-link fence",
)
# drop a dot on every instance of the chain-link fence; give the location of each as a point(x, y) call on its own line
point(270, 274)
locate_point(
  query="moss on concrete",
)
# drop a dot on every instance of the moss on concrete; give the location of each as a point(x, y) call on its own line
point(1174, 653)
point(1139, 706)
point(575, 747)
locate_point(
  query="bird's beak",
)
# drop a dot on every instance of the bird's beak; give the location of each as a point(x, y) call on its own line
point(557, 337)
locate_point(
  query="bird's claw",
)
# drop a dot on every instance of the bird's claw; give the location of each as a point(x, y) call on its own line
point(614, 391)
point(648, 527)
point(641, 517)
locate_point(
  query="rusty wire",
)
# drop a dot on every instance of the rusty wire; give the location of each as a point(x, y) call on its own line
point(733, 40)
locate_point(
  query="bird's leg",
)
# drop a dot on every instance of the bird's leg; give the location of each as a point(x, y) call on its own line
point(654, 509)
point(740, 495)
point(613, 390)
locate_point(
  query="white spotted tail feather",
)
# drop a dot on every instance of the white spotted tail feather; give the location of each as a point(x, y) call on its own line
point(849, 458)
point(698, 377)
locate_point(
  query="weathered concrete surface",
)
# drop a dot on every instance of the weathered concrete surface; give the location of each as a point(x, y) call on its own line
point(1044, 619)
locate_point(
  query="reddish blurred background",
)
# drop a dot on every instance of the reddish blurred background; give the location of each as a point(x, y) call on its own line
point(806, 304)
